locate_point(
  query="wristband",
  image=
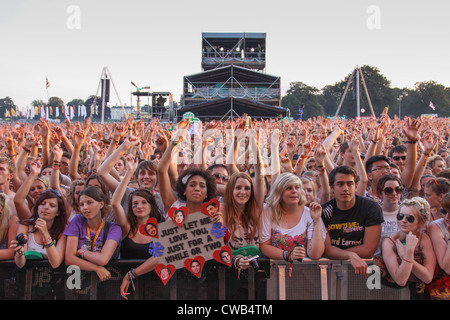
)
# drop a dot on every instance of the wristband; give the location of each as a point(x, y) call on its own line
point(46, 246)
point(407, 261)
point(26, 149)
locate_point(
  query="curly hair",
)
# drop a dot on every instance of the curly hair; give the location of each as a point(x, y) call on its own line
point(188, 174)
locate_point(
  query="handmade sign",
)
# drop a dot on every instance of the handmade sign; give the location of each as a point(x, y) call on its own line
point(223, 255)
point(197, 236)
point(178, 215)
point(195, 266)
point(210, 208)
point(165, 272)
point(150, 228)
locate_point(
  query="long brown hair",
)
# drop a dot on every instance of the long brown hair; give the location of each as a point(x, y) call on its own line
point(154, 211)
point(249, 217)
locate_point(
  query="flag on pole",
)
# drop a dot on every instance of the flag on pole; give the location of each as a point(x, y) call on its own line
point(47, 84)
point(432, 106)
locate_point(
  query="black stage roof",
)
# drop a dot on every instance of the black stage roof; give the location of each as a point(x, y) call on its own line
point(224, 73)
point(231, 107)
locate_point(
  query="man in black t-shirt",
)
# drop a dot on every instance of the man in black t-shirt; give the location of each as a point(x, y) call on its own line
point(353, 223)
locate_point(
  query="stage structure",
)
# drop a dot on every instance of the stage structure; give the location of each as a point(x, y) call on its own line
point(247, 50)
point(104, 84)
point(357, 78)
point(137, 93)
point(232, 79)
point(159, 104)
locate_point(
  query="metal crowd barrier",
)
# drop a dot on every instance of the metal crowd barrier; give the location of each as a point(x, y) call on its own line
point(274, 280)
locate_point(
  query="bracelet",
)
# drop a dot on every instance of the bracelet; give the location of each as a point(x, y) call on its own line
point(26, 149)
point(48, 240)
point(303, 156)
point(133, 272)
point(407, 261)
point(374, 142)
point(411, 141)
point(52, 243)
point(19, 254)
point(82, 253)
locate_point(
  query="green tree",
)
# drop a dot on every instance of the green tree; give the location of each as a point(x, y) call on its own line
point(7, 108)
point(56, 102)
point(301, 94)
point(378, 87)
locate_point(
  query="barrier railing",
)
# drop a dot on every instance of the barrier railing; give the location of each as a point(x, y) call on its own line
point(274, 280)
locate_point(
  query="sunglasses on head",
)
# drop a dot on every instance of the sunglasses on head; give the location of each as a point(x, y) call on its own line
point(396, 158)
point(54, 191)
point(433, 181)
point(389, 190)
point(401, 216)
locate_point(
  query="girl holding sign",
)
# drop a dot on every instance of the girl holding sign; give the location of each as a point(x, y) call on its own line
point(193, 186)
point(141, 207)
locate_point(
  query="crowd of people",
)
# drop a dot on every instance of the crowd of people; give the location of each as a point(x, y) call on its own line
point(354, 189)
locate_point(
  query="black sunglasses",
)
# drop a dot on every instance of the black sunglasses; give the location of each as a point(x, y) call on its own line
point(443, 211)
point(219, 176)
point(410, 218)
point(389, 190)
point(396, 158)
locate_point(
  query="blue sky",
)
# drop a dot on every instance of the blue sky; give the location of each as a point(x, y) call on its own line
point(156, 43)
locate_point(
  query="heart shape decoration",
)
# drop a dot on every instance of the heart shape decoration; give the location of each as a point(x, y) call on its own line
point(165, 272)
point(150, 228)
point(195, 266)
point(210, 208)
point(223, 255)
point(178, 215)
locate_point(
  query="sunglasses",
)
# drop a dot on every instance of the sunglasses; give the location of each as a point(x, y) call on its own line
point(396, 158)
point(219, 176)
point(410, 218)
point(443, 211)
point(389, 190)
point(433, 181)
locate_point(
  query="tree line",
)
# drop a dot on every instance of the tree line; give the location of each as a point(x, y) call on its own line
point(324, 102)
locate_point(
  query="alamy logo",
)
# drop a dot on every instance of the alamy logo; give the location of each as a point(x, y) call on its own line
point(374, 279)
point(73, 22)
point(74, 280)
point(374, 20)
